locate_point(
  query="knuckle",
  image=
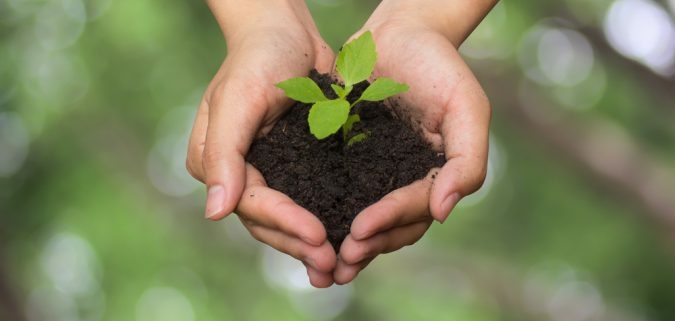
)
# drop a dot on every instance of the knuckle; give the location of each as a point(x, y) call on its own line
point(393, 205)
point(280, 207)
point(289, 246)
point(473, 177)
point(212, 156)
point(192, 169)
point(366, 252)
point(215, 93)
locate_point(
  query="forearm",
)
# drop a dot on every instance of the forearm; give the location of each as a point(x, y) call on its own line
point(455, 19)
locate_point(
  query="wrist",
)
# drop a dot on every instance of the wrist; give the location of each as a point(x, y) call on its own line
point(238, 19)
point(454, 19)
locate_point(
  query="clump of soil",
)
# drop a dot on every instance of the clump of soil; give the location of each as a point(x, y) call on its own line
point(335, 181)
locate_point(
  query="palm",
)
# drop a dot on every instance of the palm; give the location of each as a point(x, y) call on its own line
point(433, 69)
point(283, 55)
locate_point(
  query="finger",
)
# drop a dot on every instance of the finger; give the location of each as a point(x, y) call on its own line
point(274, 210)
point(403, 206)
point(322, 258)
point(319, 279)
point(196, 142)
point(465, 132)
point(235, 113)
point(325, 59)
point(353, 251)
point(345, 273)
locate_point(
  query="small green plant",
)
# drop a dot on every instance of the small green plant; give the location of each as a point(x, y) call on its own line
point(355, 62)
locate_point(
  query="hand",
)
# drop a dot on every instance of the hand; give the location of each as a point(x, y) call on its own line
point(453, 112)
point(266, 44)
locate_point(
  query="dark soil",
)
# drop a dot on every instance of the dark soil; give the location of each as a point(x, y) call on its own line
point(335, 181)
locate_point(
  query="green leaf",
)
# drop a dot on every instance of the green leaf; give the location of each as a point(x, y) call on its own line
point(348, 89)
point(356, 60)
point(357, 138)
point(338, 90)
point(302, 89)
point(351, 120)
point(341, 92)
point(326, 117)
point(382, 88)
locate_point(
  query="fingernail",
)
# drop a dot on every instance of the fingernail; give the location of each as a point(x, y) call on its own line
point(215, 198)
point(447, 206)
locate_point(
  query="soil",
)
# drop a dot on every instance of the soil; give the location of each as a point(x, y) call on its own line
point(335, 181)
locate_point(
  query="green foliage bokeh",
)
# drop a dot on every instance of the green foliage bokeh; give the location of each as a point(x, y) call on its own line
point(100, 221)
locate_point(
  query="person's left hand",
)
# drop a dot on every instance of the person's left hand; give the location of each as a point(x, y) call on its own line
point(267, 42)
point(453, 112)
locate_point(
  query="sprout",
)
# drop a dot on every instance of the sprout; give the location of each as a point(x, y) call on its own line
point(355, 63)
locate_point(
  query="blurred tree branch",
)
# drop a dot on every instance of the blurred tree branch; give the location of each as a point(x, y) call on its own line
point(9, 301)
point(496, 283)
point(595, 146)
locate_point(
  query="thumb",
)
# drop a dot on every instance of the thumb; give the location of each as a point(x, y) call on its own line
point(465, 135)
point(233, 122)
point(457, 178)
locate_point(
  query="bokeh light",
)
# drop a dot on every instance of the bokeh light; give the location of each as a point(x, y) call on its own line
point(587, 93)
point(288, 274)
point(552, 55)
point(59, 24)
point(642, 30)
point(166, 160)
point(488, 40)
point(558, 291)
point(575, 301)
point(283, 271)
point(497, 165)
point(563, 60)
point(326, 304)
point(164, 304)
point(72, 288)
point(565, 57)
point(54, 79)
point(71, 265)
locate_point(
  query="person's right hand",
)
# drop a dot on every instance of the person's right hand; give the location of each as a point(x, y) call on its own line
point(267, 43)
point(417, 44)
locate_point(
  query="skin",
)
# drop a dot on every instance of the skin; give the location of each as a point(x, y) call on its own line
point(273, 40)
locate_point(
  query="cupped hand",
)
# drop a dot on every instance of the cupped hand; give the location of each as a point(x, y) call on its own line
point(452, 111)
point(241, 103)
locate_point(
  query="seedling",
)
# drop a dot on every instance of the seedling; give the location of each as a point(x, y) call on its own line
point(355, 62)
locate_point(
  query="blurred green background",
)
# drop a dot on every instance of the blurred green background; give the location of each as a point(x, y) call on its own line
point(100, 221)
